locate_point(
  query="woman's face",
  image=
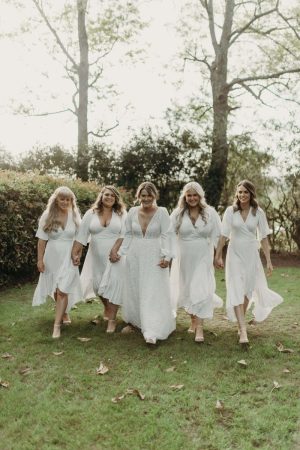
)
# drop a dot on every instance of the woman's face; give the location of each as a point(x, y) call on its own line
point(146, 199)
point(63, 202)
point(192, 198)
point(108, 198)
point(243, 195)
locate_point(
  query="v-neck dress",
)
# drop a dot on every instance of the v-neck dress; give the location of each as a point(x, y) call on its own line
point(59, 270)
point(101, 239)
point(193, 282)
point(147, 303)
point(244, 271)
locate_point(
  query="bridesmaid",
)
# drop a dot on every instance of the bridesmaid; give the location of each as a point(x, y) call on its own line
point(58, 279)
point(147, 304)
point(198, 228)
point(103, 227)
point(245, 279)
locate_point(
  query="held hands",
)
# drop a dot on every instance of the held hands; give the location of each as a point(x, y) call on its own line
point(76, 260)
point(219, 264)
point(163, 263)
point(41, 266)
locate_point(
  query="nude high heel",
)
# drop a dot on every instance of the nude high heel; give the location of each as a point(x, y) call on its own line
point(111, 326)
point(56, 331)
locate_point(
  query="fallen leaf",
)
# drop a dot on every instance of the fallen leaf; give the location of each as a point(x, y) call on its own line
point(4, 384)
point(57, 353)
point(102, 369)
point(118, 398)
point(95, 321)
point(252, 322)
point(219, 405)
point(184, 362)
point(276, 385)
point(213, 333)
point(90, 300)
point(24, 371)
point(13, 324)
point(74, 307)
point(6, 356)
point(177, 387)
point(243, 363)
point(170, 369)
point(286, 371)
point(84, 339)
point(282, 349)
point(135, 392)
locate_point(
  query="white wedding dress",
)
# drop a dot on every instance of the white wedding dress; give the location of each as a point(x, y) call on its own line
point(147, 303)
point(59, 270)
point(244, 271)
point(192, 275)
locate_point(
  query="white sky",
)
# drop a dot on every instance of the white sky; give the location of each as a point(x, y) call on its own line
point(147, 87)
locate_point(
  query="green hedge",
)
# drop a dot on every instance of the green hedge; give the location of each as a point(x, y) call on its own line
point(23, 198)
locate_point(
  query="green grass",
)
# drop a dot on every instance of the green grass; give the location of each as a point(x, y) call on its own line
point(62, 404)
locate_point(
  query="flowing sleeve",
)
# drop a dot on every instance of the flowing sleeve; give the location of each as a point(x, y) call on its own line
point(216, 227)
point(83, 232)
point(41, 234)
point(227, 222)
point(167, 249)
point(263, 227)
point(127, 233)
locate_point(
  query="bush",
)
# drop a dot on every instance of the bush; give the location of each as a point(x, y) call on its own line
point(23, 198)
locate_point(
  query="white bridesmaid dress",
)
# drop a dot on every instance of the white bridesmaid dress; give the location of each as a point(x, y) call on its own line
point(59, 270)
point(244, 270)
point(96, 277)
point(193, 282)
point(147, 302)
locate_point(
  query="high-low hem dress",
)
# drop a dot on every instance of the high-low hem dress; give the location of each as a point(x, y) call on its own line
point(193, 281)
point(60, 273)
point(96, 277)
point(243, 269)
point(147, 302)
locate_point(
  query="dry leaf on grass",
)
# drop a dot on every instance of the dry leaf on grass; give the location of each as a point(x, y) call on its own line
point(6, 356)
point(276, 385)
point(176, 387)
point(4, 384)
point(136, 392)
point(95, 321)
point(57, 353)
point(118, 398)
point(170, 369)
point(243, 363)
point(282, 349)
point(286, 371)
point(83, 339)
point(102, 369)
point(252, 322)
point(219, 405)
point(74, 307)
point(24, 370)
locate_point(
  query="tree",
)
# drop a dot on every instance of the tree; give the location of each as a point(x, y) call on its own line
point(263, 36)
point(101, 26)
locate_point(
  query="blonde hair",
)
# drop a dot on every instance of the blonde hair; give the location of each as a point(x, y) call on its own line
point(53, 222)
point(251, 189)
point(183, 206)
point(118, 206)
point(149, 187)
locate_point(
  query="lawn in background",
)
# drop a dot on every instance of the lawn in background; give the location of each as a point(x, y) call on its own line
point(56, 400)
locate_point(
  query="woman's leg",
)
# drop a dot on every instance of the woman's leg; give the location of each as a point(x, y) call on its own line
point(240, 315)
point(111, 315)
point(193, 324)
point(61, 306)
point(105, 304)
point(199, 337)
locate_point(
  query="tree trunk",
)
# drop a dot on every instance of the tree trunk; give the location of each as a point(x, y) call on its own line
point(83, 77)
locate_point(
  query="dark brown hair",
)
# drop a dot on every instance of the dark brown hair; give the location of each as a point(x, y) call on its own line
point(251, 189)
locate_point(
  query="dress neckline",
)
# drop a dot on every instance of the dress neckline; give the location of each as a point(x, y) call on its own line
point(144, 234)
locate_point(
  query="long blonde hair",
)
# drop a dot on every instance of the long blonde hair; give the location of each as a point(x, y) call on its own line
point(183, 206)
point(150, 188)
point(118, 207)
point(52, 221)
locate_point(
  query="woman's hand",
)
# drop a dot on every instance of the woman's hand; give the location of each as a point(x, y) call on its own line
point(163, 263)
point(269, 268)
point(219, 264)
point(76, 260)
point(114, 257)
point(41, 266)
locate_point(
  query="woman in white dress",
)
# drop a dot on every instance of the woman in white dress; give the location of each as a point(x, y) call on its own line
point(103, 227)
point(245, 279)
point(147, 304)
point(59, 278)
point(198, 228)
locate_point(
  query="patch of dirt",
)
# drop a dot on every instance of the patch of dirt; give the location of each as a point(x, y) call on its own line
point(285, 259)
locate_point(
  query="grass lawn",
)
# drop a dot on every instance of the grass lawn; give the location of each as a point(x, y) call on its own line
point(60, 402)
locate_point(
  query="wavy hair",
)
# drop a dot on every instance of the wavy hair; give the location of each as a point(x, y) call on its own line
point(118, 207)
point(183, 206)
point(149, 187)
point(53, 222)
point(251, 189)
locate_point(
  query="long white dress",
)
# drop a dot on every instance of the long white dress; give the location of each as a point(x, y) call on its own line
point(193, 281)
point(147, 303)
point(244, 271)
point(96, 276)
point(59, 270)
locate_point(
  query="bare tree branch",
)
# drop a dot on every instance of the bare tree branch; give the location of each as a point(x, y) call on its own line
point(193, 57)
point(263, 77)
point(96, 78)
point(107, 52)
point(106, 132)
point(210, 13)
point(48, 113)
